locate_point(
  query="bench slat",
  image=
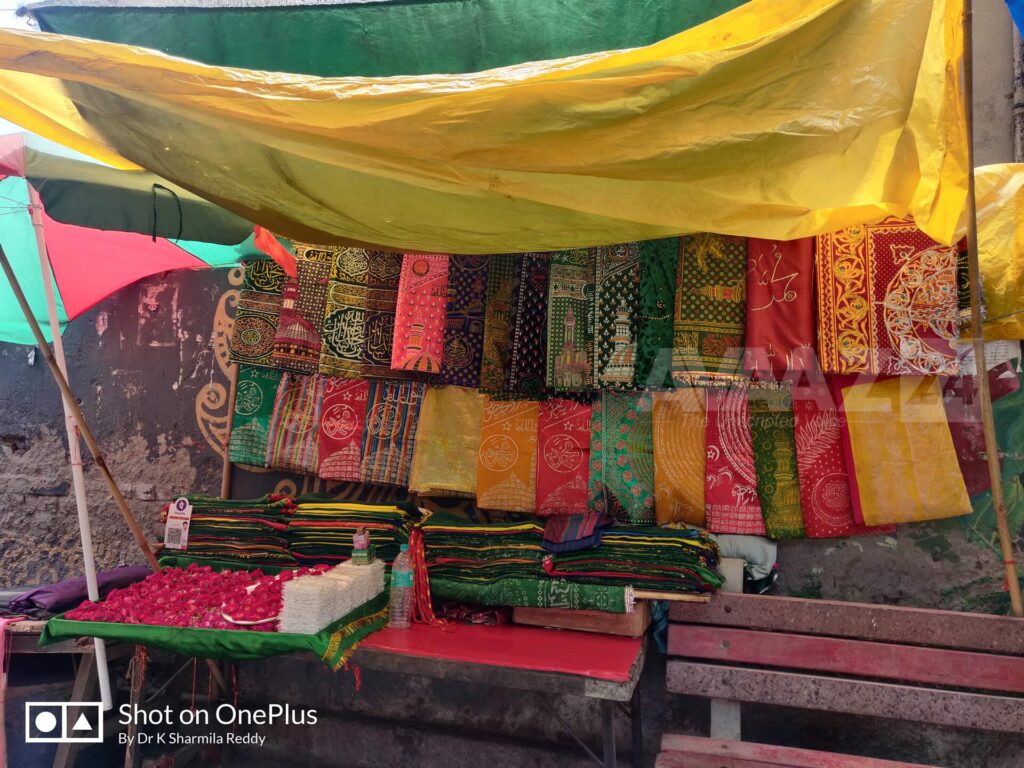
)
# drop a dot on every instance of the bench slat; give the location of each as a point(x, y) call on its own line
point(933, 666)
point(680, 751)
point(856, 697)
point(942, 629)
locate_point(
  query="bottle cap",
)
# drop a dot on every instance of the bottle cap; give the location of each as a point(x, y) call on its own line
point(405, 548)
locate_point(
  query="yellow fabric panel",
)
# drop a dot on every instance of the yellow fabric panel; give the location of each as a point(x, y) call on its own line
point(679, 456)
point(780, 119)
point(1000, 196)
point(507, 462)
point(905, 468)
point(447, 441)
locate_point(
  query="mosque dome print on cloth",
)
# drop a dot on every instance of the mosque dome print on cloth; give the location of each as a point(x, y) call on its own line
point(507, 462)
point(342, 417)
point(420, 313)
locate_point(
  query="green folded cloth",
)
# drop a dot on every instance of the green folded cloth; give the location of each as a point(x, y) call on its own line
point(536, 593)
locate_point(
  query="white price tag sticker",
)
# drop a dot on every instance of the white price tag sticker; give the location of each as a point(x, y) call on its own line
point(176, 530)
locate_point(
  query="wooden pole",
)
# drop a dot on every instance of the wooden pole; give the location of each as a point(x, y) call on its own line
point(225, 476)
point(977, 334)
point(74, 447)
point(76, 412)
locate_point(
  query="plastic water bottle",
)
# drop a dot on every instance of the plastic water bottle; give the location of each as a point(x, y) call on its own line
point(400, 606)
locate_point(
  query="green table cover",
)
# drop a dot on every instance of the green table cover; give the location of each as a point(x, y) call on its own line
point(333, 644)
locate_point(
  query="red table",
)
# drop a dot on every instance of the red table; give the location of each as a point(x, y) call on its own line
point(586, 654)
point(556, 661)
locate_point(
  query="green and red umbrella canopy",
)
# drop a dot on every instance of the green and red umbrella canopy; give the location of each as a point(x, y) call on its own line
point(104, 229)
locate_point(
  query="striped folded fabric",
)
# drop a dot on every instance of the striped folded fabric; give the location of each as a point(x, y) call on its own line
point(249, 531)
point(321, 531)
point(662, 559)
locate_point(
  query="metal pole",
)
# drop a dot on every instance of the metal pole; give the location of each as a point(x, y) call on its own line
point(987, 419)
point(76, 411)
point(74, 448)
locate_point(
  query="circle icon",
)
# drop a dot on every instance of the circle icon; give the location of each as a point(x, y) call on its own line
point(45, 722)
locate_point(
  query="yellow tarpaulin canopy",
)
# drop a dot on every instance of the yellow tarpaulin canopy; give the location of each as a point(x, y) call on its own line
point(780, 119)
point(1000, 195)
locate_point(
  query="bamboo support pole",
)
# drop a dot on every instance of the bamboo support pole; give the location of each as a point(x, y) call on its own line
point(76, 412)
point(977, 337)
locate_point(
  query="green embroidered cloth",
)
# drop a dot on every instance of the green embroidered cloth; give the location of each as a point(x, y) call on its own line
point(497, 345)
point(778, 487)
point(333, 644)
point(254, 404)
point(535, 593)
point(711, 308)
point(659, 262)
point(617, 314)
point(622, 457)
point(571, 320)
point(259, 306)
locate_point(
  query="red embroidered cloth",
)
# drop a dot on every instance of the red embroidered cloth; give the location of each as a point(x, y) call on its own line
point(342, 416)
point(821, 465)
point(563, 457)
point(887, 301)
point(420, 313)
point(780, 306)
point(731, 503)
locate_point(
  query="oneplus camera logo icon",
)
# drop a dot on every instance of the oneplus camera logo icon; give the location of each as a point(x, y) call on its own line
point(56, 722)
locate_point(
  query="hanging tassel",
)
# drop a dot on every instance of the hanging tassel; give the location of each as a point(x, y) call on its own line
point(423, 609)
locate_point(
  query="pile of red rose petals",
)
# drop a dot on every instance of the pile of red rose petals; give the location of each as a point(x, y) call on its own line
point(197, 597)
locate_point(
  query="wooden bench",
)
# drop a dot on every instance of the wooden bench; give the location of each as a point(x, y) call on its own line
point(944, 668)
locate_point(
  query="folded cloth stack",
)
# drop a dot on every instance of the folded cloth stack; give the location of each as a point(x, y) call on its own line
point(321, 531)
point(249, 531)
point(501, 564)
point(459, 550)
point(661, 559)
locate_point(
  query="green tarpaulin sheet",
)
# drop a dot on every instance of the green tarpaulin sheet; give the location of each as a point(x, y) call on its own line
point(409, 37)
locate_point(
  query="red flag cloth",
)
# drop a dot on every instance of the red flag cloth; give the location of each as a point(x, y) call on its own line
point(420, 313)
point(342, 416)
point(780, 306)
point(731, 503)
point(266, 242)
point(563, 457)
point(821, 466)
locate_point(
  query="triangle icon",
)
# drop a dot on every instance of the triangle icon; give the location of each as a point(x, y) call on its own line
point(82, 724)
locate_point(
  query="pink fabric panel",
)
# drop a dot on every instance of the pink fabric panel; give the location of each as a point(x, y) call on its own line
point(90, 264)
